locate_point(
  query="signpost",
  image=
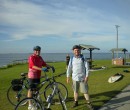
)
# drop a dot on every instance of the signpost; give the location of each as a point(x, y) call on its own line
point(117, 26)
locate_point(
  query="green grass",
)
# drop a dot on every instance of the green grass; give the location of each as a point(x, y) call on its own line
point(99, 89)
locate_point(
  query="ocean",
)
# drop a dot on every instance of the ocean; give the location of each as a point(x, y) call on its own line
point(51, 57)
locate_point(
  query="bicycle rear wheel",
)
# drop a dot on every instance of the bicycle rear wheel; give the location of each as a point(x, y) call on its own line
point(61, 87)
point(14, 97)
point(35, 105)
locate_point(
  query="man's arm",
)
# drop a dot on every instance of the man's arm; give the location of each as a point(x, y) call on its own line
point(37, 68)
point(69, 70)
point(87, 71)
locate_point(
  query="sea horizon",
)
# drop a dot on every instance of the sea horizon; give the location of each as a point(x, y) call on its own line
point(9, 58)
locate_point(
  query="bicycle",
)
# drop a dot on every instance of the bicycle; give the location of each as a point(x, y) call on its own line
point(50, 87)
point(17, 92)
point(53, 89)
point(36, 99)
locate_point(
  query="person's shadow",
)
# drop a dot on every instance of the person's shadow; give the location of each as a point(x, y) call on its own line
point(110, 94)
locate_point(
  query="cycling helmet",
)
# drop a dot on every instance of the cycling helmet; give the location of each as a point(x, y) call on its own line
point(76, 47)
point(37, 48)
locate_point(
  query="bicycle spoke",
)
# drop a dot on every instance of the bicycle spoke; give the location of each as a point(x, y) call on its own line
point(15, 96)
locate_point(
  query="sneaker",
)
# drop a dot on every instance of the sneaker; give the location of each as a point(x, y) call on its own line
point(75, 104)
point(32, 107)
point(89, 105)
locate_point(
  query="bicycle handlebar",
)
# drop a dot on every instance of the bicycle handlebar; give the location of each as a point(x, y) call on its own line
point(53, 70)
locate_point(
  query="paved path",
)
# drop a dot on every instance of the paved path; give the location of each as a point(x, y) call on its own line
point(120, 102)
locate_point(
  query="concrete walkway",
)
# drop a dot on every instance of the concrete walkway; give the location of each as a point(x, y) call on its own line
point(119, 102)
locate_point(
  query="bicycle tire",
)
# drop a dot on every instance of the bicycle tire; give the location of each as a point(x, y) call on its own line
point(49, 88)
point(36, 104)
point(12, 95)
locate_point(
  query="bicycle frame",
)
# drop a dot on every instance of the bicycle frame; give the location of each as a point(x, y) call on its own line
point(50, 80)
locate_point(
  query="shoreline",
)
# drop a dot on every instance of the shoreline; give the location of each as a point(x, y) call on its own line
point(20, 62)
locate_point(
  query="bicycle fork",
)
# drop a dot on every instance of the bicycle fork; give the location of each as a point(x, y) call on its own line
point(62, 101)
point(50, 97)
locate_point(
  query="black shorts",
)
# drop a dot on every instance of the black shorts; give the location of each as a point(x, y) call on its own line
point(33, 83)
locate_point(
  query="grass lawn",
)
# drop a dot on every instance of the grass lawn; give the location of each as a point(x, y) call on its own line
point(99, 89)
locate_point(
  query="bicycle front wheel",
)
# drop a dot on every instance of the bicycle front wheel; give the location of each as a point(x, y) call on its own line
point(14, 97)
point(61, 88)
point(35, 105)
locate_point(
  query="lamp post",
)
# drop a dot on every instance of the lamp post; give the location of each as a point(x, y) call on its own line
point(117, 26)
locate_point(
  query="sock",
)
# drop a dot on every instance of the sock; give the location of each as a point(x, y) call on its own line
point(30, 105)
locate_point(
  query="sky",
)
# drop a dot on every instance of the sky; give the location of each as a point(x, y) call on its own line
point(57, 25)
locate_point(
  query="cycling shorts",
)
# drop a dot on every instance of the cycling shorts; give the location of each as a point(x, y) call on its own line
point(33, 83)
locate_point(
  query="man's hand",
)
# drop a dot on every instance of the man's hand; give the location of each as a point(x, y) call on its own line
point(45, 69)
point(51, 67)
point(68, 80)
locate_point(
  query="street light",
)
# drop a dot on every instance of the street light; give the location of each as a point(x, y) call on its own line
point(117, 26)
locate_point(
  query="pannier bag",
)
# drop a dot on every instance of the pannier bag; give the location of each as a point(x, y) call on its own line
point(17, 84)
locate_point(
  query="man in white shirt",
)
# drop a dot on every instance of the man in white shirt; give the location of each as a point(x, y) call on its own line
point(80, 71)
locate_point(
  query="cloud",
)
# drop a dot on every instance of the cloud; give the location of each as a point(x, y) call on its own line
point(29, 19)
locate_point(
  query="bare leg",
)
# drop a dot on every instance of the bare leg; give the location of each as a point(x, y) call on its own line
point(87, 97)
point(89, 105)
point(75, 99)
point(76, 96)
point(30, 95)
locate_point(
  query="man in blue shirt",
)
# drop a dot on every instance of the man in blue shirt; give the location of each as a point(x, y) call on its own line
point(80, 71)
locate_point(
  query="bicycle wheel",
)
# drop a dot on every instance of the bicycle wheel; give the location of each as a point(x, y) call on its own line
point(35, 105)
point(15, 96)
point(61, 87)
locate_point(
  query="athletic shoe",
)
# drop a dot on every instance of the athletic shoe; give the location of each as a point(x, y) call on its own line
point(75, 104)
point(89, 105)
